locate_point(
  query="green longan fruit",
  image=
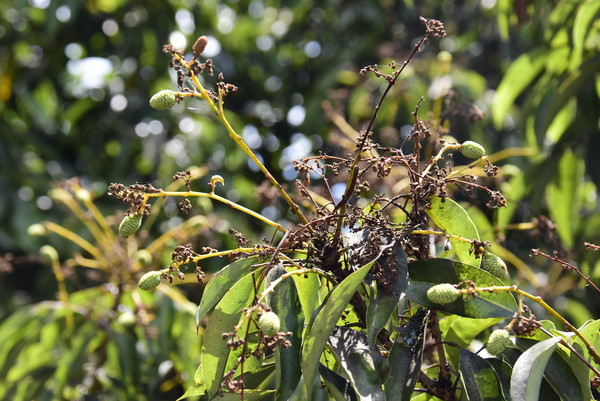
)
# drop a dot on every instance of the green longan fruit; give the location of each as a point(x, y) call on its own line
point(472, 150)
point(498, 341)
point(443, 294)
point(130, 224)
point(150, 280)
point(494, 265)
point(163, 100)
point(269, 323)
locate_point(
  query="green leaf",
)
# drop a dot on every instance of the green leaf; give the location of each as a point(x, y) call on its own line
point(340, 388)
point(480, 379)
point(569, 86)
point(587, 13)
point(503, 371)
point(519, 76)
point(405, 358)
point(285, 303)
point(194, 390)
point(384, 302)
point(75, 356)
point(426, 273)
point(249, 395)
point(514, 190)
point(563, 197)
point(221, 282)
point(352, 353)
point(591, 331)
point(561, 122)
point(308, 293)
point(561, 375)
point(462, 331)
point(318, 332)
point(128, 360)
point(529, 369)
point(450, 217)
point(226, 315)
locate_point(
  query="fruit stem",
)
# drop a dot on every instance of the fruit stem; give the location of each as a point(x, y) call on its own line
point(220, 199)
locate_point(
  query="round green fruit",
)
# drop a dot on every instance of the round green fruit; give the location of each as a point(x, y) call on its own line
point(498, 341)
point(129, 225)
point(494, 265)
point(269, 323)
point(150, 280)
point(443, 294)
point(472, 150)
point(163, 100)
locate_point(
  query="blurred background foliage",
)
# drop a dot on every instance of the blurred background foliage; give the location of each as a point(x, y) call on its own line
point(76, 76)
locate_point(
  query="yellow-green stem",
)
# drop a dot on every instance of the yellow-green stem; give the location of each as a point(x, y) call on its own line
point(220, 199)
point(91, 225)
point(212, 255)
point(438, 157)
point(548, 308)
point(218, 110)
point(99, 217)
point(431, 232)
point(161, 241)
point(76, 239)
point(63, 295)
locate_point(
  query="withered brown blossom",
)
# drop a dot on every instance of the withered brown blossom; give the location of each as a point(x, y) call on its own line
point(434, 28)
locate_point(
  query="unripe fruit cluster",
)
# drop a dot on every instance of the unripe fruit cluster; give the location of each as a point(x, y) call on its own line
point(498, 341)
point(472, 150)
point(443, 294)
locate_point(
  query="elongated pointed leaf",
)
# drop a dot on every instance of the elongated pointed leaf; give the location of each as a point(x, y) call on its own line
point(285, 303)
point(481, 381)
point(249, 395)
point(405, 358)
point(591, 331)
point(222, 282)
point(226, 315)
point(318, 334)
point(358, 361)
point(461, 331)
point(450, 217)
point(563, 196)
point(385, 300)
point(193, 391)
point(503, 371)
point(561, 374)
point(529, 369)
point(426, 273)
point(340, 388)
point(519, 76)
point(308, 293)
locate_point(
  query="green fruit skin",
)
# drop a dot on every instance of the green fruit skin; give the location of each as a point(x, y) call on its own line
point(269, 323)
point(163, 100)
point(472, 150)
point(498, 341)
point(129, 225)
point(150, 280)
point(494, 265)
point(443, 294)
point(49, 254)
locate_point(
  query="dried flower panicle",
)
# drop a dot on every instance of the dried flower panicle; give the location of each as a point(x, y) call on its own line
point(435, 28)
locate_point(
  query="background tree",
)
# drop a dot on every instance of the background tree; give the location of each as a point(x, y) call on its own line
point(76, 79)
